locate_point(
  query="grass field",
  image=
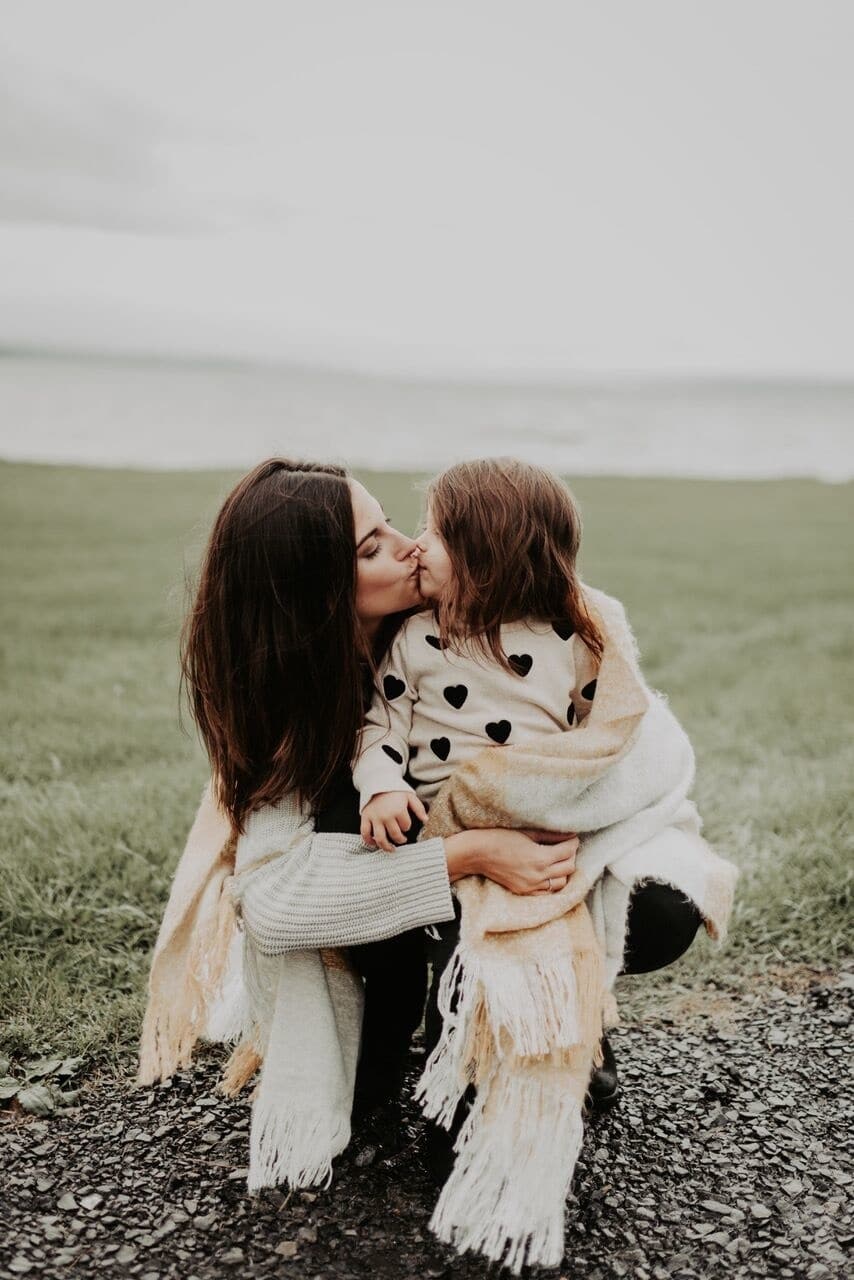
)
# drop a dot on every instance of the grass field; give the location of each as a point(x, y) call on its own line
point(740, 595)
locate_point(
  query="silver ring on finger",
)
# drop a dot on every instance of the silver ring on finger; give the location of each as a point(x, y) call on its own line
point(550, 884)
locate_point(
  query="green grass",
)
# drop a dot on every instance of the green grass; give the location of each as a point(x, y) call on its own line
point(739, 595)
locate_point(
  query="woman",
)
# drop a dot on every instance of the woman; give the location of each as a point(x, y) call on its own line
point(302, 587)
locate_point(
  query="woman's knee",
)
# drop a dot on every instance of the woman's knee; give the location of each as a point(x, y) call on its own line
point(662, 924)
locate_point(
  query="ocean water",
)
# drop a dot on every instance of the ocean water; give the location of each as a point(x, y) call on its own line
point(138, 413)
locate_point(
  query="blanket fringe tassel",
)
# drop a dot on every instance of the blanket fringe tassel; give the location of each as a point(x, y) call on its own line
point(506, 1195)
point(239, 1070)
point(296, 1148)
point(517, 1149)
point(532, 1005)
point(172, 1027)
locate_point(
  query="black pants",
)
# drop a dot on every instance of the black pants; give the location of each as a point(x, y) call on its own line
point(395, 974)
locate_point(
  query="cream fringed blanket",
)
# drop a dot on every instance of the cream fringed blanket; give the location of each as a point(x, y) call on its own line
point(530, 975)
point(534, 971)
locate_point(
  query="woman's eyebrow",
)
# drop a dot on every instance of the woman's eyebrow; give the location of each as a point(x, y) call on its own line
point(373, 532)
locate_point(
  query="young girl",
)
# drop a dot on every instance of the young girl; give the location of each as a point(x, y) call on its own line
point(507, 652)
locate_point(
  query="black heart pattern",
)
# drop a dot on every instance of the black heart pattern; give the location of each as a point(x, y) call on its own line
point(434, 641)
point(392, 687)
point(570, 714)
point(440, 747)
point(499, 731)
point(456, 694)
point(589, 691)
point(563, 629)
point(521, 663)
point(393, 755)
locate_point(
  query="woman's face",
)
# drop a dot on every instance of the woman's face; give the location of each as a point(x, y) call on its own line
point(434, 561)
point(386, 570)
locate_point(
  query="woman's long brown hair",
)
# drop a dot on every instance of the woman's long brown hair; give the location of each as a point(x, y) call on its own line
point(512, 532)
point(270, 658)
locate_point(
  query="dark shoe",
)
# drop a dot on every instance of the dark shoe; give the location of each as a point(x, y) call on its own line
point(439, 1154)
point(378, 1092)
point(379, 1081)
point(604, 1087)
point(378, 1133)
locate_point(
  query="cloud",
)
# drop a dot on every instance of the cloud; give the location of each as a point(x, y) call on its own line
point(77, 153)
point(593, 190)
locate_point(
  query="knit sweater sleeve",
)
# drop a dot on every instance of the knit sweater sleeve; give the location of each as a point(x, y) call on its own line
point(296, 889)
point(383, 749)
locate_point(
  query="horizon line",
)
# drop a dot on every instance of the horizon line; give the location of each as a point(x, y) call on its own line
point(376, 371)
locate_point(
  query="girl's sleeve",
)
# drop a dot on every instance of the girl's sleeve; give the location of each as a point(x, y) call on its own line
point(383, 751)
point(583, 691)
point(309, 889)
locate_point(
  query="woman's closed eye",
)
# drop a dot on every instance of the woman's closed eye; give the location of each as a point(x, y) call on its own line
point(369, 555)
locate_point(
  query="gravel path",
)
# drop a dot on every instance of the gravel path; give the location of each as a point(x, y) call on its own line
point(728, 1155)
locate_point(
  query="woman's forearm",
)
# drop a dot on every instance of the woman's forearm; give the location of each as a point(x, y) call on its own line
point(328, 890)
point(520, 861)
point(463, 852)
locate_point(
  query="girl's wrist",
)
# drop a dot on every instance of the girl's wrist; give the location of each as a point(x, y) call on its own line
point(463, 852)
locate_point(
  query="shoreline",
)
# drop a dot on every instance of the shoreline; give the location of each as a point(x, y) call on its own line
point(178, 417)
point(416, 473)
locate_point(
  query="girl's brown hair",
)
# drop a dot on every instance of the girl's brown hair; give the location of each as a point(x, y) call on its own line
point(270, 656)
point(512, 533)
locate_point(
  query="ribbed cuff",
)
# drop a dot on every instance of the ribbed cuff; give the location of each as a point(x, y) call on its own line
point(427, 871)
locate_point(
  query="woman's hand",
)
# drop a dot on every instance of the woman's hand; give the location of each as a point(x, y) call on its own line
point(521, 861)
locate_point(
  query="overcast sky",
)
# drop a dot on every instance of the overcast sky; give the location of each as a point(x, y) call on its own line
point(472, 186)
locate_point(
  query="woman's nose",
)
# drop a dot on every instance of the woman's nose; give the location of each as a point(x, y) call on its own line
point(408, 547)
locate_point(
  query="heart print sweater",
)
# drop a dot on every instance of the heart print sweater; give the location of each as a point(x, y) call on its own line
point(442, 706)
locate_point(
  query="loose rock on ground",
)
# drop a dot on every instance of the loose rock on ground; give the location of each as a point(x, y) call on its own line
point(729, 1154)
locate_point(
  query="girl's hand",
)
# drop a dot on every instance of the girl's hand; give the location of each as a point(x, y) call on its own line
point(514, 859)
point(385, 818)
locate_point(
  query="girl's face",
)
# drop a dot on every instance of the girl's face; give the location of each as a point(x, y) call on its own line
point(386, 568)
point(433, 558)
